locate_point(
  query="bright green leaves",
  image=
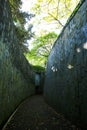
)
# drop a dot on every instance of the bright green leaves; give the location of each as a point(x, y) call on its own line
point(55, 10)
point(41, 49)
point(53, 14)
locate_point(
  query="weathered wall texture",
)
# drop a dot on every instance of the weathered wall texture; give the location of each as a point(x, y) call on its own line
point(66, 76)
point(16, 76)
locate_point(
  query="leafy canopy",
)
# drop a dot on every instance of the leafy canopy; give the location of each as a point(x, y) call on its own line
point(20, 18)
point(54, 13)
point(41, 48)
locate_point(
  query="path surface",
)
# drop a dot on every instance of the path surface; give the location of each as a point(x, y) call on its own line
point(35, 114)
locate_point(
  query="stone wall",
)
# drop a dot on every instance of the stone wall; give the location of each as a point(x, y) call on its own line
point(16, 75)
point(66, 76)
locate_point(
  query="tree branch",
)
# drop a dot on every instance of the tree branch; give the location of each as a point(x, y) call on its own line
point(56, 19)
point(67, 7)
point(44, 55)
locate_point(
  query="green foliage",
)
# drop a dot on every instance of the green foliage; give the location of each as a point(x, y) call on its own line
point(20, 18)
point(54, 12)
point(57, 11)
point(41, 48)
point(38, 68)
point(23, 35)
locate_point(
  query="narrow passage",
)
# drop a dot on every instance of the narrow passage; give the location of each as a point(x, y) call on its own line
point(35, 114)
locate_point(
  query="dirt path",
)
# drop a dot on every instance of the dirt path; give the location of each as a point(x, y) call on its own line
point(35, 114)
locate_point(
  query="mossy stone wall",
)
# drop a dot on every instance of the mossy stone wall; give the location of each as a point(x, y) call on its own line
point(16, 75)
point(66, 75)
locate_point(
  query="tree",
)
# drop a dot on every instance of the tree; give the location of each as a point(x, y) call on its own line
point(20, 18)
point(50, 12)
point(56, 11)
point(41, 48)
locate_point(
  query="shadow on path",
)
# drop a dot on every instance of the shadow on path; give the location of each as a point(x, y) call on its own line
point(35, 114)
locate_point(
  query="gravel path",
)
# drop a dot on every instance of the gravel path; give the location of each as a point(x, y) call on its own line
point(35, 114)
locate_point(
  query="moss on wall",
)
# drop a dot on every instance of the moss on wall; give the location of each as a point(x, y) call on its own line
point(66, 75)
point(16, 75)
